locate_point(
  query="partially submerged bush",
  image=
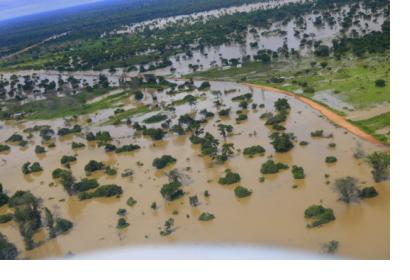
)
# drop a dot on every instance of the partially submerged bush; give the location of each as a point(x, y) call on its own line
point(63, 225)
point(8, 251)
point(206, 217)
point(368, 192)
point(172, 190)
point(331, 159)
point(229, 178)
point(29, 168)
point(67, 159)
point(102, 191)
point(347, 189)
point(4, 148)
point(131, 201)
point(298, 172)
point(93, 165)
point(253, 150)
point(5, 218)
point(156, 118)
point(163, 161)
point(77, 145)
point(15, 138)
point(319, 214)
point(65, 130)
point(85, 185)
point(380, 162)
point(242, 192)
point(270, 167)
point(282, 142)
point(122, 223)
point(127, 148)
point(154, 133)
point(39, 149)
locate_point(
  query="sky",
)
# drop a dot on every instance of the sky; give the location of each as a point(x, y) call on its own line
point(16, 8)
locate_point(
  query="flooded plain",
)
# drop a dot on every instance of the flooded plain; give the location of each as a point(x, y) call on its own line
point(272, 216)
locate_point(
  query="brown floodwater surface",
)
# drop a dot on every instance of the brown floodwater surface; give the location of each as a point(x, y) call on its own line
point(272, 216)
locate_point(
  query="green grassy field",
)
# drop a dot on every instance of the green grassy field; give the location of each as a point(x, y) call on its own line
point(374, 124)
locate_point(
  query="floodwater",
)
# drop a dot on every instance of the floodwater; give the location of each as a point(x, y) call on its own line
point(271, 216)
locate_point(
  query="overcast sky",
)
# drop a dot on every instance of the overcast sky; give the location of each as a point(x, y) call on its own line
point(16, 8)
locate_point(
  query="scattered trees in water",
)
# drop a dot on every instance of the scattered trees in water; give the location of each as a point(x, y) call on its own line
point(298, 172)
point(163, 161)
point(65, 130)
point(39, 149)
point(94, 165)
point(77, 145)
point(349, 191)
point(172, 190)
point(282, 142)
point(242, 192)
point(205, 216)
point(29, 168)
point(319, 214)
point(254, 150)
point(380, 162)
point(270, 167)
point(154, 133)
point(229, 178)
point(225, 130)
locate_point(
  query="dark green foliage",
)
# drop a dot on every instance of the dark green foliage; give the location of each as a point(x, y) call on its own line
point(4, 148)
point(110, 147)
point(154, 133)
point(204, 85)
point(77, 145)
point(93, 165)
point(163, 161)
point(380, 83)
point(331, 159)
point(330, 247)
point(317, 133)
point(63, 225)
point(67, 159)
point(322, 51)
point(90, 136)
point(15, 138)
point(253, 150)
point(85, 185)
point(224, 112)
point(347, 189)
point(122, 223)
point(50, 223)
point(206, 217)
point(241, 117)
point(110, 171)
point(319, 214)
point(122, 212)
point(5, 218)
point(131, 201)
point(368, 192)
point(270, 167)
point(4, 198)
point(242, 192)
point(65, 130)
point(138, 95)
point(8, 251)
point(380, 162)
point(332, 145)
point(229, 178)
point(156, 118)
point(39, 150)
point(29, 168)
point(282, 142)
point(127, 148)
point(282, 104)
point(225, 130)
point(298, 172)
point(172, 190)
point(303, 143)
point(102, 137)
point(168, 227)
point(103, 191)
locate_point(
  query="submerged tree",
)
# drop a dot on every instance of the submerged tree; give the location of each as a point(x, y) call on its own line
point(380, 163)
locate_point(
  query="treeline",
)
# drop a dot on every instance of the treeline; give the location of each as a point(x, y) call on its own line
point(89, 21)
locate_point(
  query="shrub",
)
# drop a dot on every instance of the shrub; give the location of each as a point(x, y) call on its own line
point(6, 218)
point(59, 173)
point(138, 95)
point(368, 192)
point(110, 171)
point(63, 225)
point(380, 162)
point(330, 247)
point(90, 136)
point(206, 217)
point(110, 148)
point(270, 167)
point(167, 230)
point(380, 83)
point(29, 168)
point(67, 159)
point(230, 178)
point(319, 214)
point(172, 191)
point(331, 159)
point(39, 149)
point(303, 143)
point(122, 223)
point(163, 161)
point(85, 185)
point(317, 133)
point(282, 142)
point(242, 192)
point(93, 165)
point(282, 104)
point(131, 201)
point(8, 251)
point(103, 137)
point(4, 198)
point(155, 118)
point(204, 85)
point(15, 138)
point(4, 148)
point(154, 133)
point(332, 145)
point(224, 112)
point(347, 189)
point(77, 145)
point(127, 148)
point(102, 191)
point(65, 130)
point(253, 150)
point(241, 117)
point(298, 172)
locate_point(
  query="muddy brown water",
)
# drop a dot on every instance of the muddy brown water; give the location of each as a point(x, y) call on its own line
point(271, 216)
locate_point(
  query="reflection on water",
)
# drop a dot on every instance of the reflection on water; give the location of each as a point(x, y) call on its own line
point(273, 215)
